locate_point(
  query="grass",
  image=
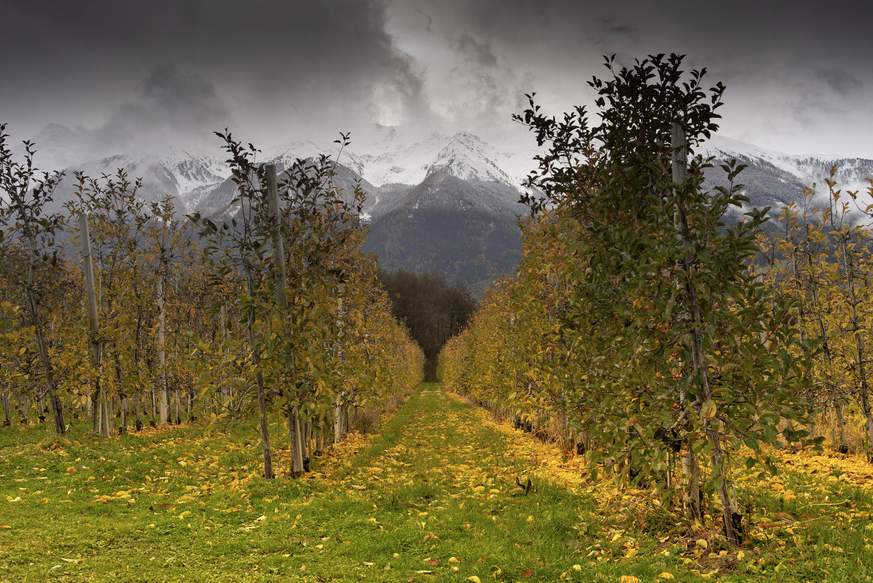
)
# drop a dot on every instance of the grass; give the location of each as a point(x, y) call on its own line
point(431, 497)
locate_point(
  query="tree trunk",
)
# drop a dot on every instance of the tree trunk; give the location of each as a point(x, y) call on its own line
point(857, 332)
point(690, 463)
point(7, 419)
point(262, 393)
point(33, 308)
point(40, 407)
point(304, 449)
point(319, 441)
point(730, 511)
point(295, 442)
point(101, 423)
point(836, 405)
point(24, 405)
point(338, 429)
point(162, 353)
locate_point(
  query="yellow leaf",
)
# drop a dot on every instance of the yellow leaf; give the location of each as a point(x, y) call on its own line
point(577, 567)
point(5, 526)
point(628, 579)
point(701, 543)
point(474, 579)
point(740, 555)
point(665, 575)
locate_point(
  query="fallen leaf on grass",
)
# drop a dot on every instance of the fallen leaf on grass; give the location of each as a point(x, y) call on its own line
point(474, 579)
point(432, 562)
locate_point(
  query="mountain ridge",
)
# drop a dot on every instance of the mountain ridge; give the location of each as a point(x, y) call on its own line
point(438, 192)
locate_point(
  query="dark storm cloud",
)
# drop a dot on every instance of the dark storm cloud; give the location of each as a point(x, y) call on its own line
point(292, 69)
point(170, 108)
point(840, 82)
point(478, 52)
point(266, 58)
point(771, 56)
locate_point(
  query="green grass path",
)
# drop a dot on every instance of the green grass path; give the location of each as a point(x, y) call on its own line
point(431, 497)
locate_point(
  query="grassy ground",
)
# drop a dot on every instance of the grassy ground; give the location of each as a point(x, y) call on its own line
point(433, 497)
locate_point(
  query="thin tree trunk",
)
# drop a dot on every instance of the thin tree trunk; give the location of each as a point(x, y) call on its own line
point(836, 405)
point(262, 393)
point(690, 463)
point(122, 397)
point(304, 446)
point(136, 356)
point(730, 512)
point(7, 419)
point(33, 305)
point(295, 442)
point(101, 416)
point(338, 429)
point(319, 441)
point(24, 405)
point(860, 353)
point(40, 407)
point(162, 353)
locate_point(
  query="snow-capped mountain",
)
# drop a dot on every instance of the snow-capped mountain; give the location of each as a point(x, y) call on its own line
point(186, 175)
point(195, 176)
point(774, 179)
point(198, 180)
point(445, 203)
point(462, 155)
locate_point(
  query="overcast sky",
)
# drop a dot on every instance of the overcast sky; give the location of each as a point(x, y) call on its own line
point(131, 74)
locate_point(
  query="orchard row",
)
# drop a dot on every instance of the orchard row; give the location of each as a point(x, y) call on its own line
point(273, 306)
point(667, 342)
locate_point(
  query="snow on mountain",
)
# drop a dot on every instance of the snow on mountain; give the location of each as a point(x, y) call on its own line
point(187, 175)
point(462, 155)
point(391, 165)
point(388, 161)
point(803, 171)
point(776, 180)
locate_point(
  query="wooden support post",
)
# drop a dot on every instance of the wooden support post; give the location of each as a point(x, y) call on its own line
point(101, 413)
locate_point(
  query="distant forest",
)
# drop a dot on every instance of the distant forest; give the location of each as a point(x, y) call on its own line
point(431, 309)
